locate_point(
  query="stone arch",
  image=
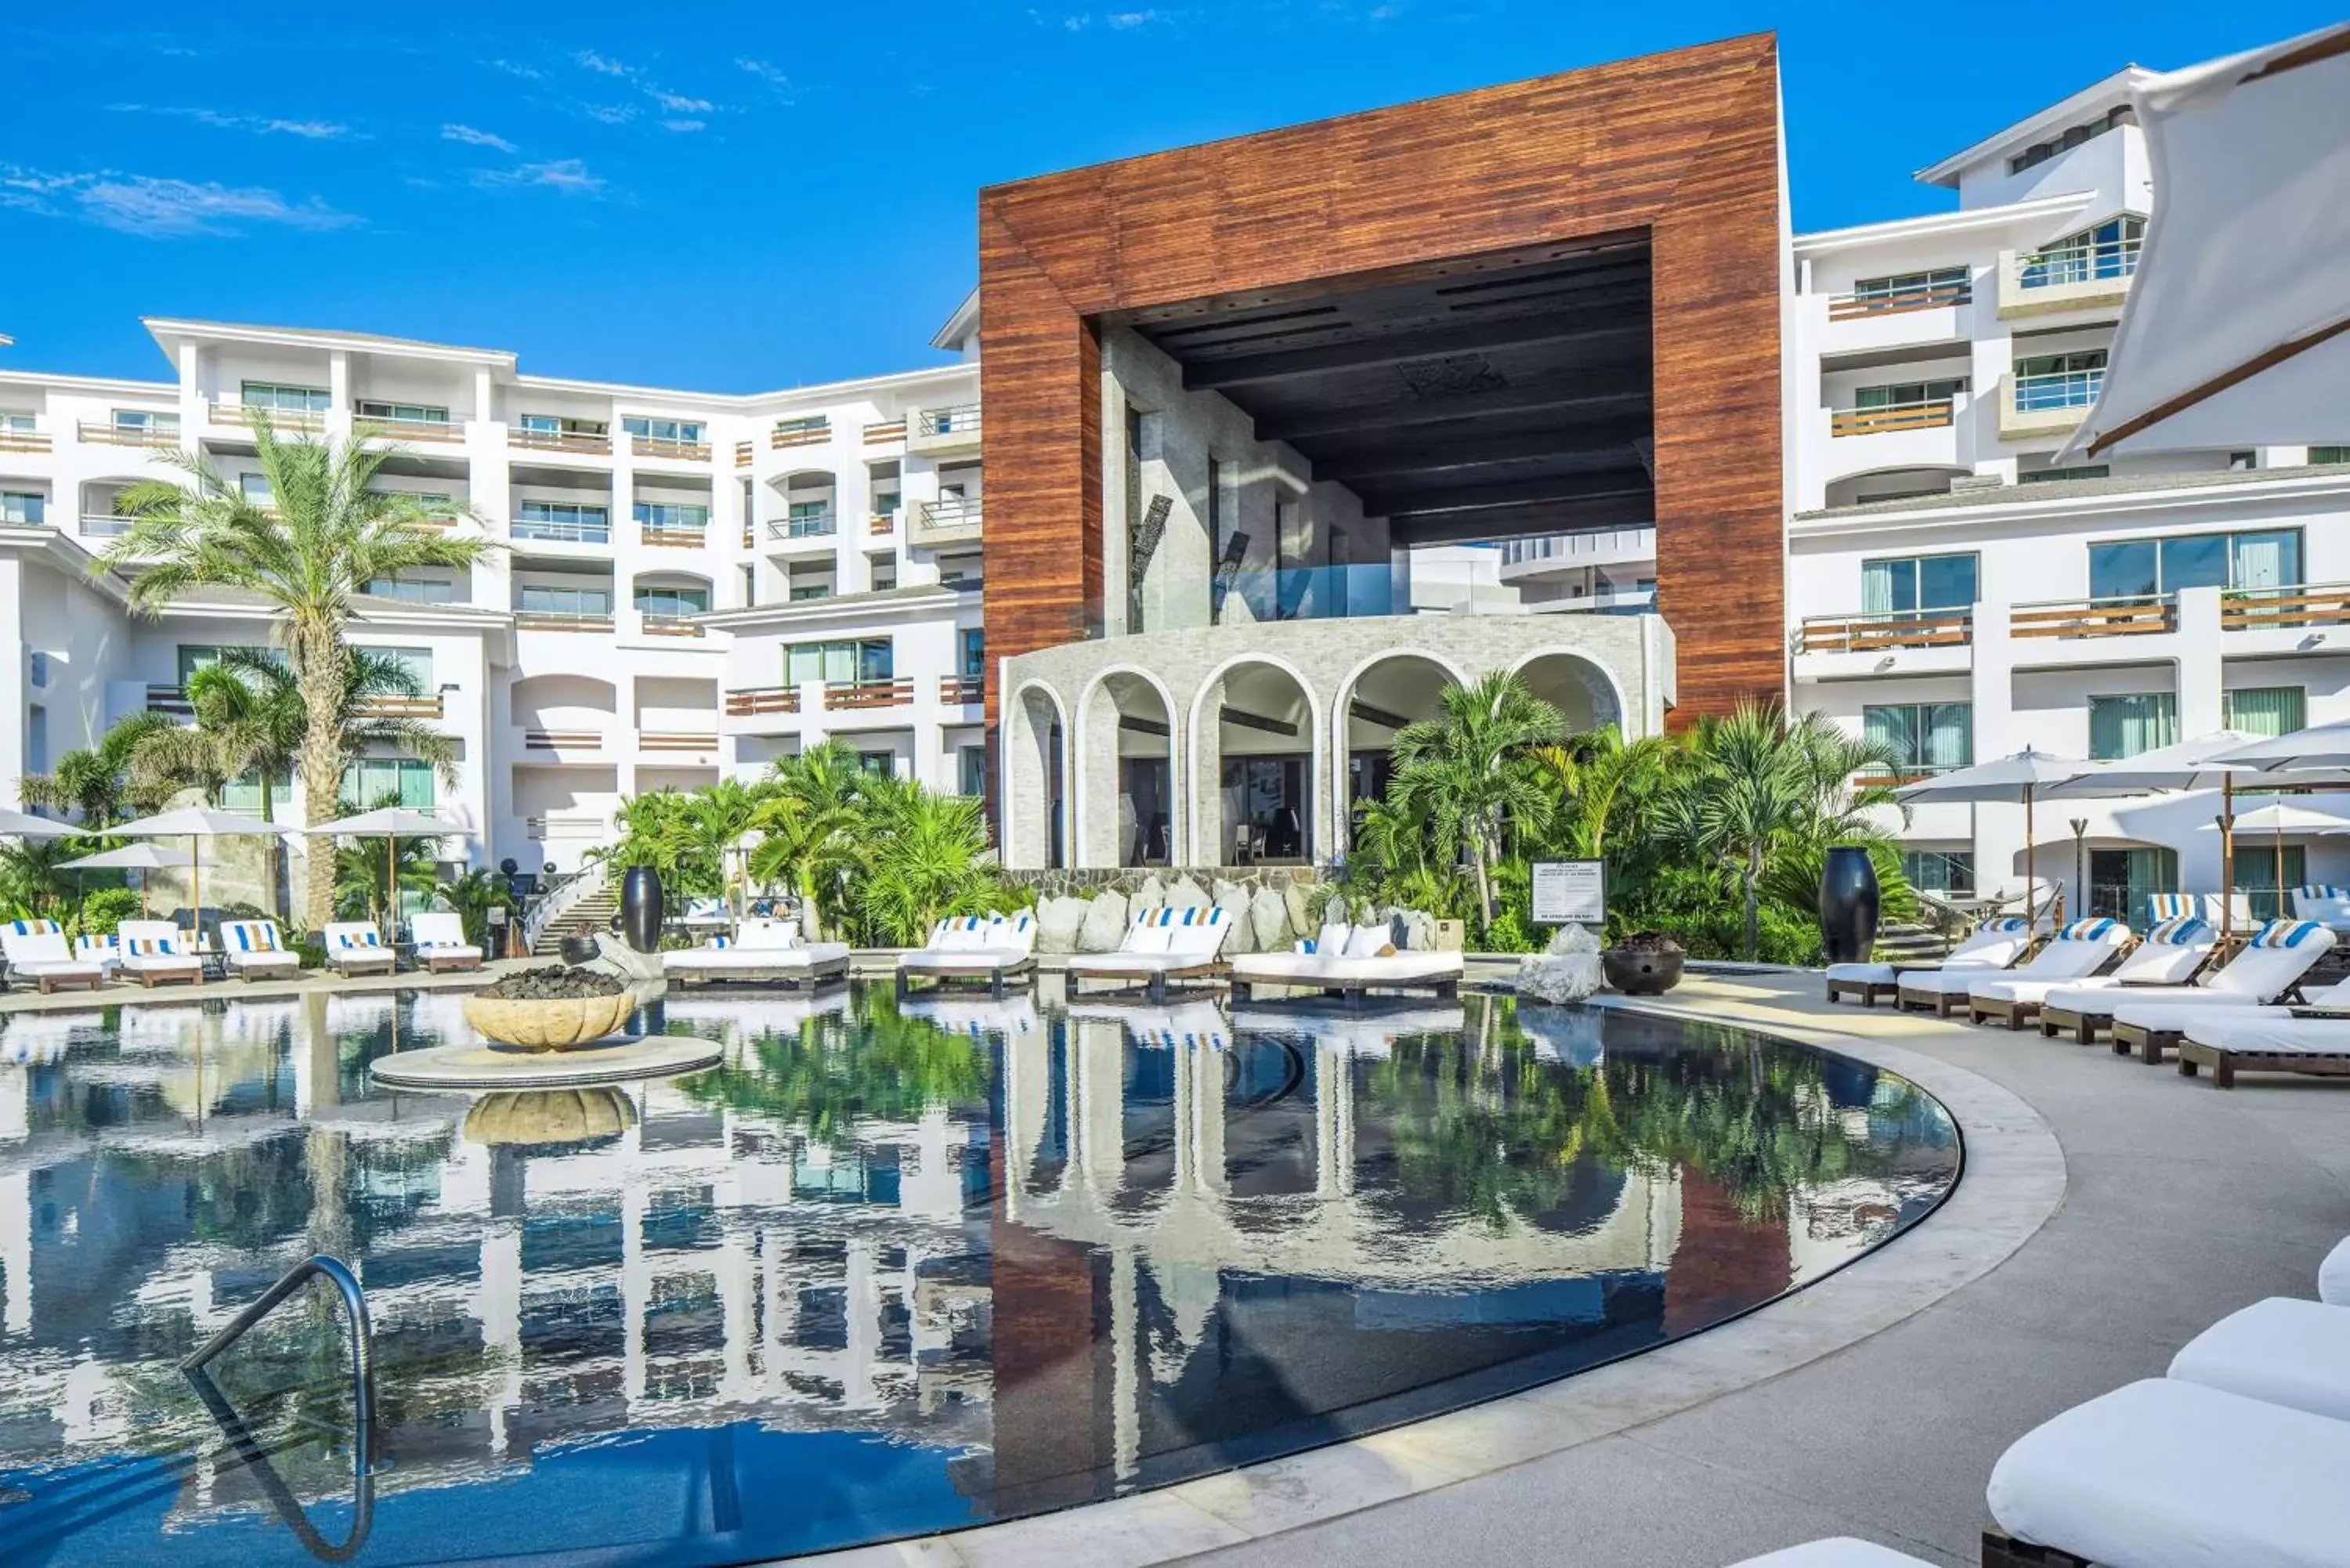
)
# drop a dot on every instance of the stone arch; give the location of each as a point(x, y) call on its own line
point(1584, 691)
point(1260, 712)
point(1035, 771)
point(1126, 767)
point(1377, 697)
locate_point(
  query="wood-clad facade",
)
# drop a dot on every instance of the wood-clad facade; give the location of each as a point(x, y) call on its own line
point(1682, 147)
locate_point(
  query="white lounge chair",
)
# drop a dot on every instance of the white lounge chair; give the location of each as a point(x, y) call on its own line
point(2170, 955)
point(1842, 1552)
point(2165, 1473)
point(2281, 1351)
point(1161, 945)
point(763, 951)
point(993, 948)
point(2327, 905)
point(1993, 944)
point(2081, 949)
point(37, 951)
point(2333, 1276)
point(355, 947)
point(2234, 914)
point(257, 950)
point(157, 952)
point(2270, 967)
point(1349, 962)
point(440, 944)
point(105, 949)
point(2253, 1040)
point(977, 1017)
point(2286, 951)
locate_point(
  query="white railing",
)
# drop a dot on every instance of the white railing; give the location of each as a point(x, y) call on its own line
point(1577, 549)
point(2114, 259)
point(551, 906)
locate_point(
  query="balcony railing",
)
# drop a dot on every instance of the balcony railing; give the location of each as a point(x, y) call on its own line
point(562, 441)
point(657, 625)
point(2109, 259)
point(103, 525)
point(674, 741)
point(822, 525)
point(106, 433)
point(1926, 415)
point(789, 433)
point(2286, 608)
point(239, 415)
point(961, 419)
point(848, 695)
point(562, 740)
point(561, 620)
point(171, 699)
point(16, 438)
point(554, 532)
point(670, 447)
point(413, 430)
point(2060, 389)
point(2135, 616)
point(957, 517)
point(742, 454)
point(885, 431)
point(962, 689)
point(572, 828)
point(1895, 301)
point(424, 707)
point(881, 525)
point(1579, 550)
point(1878, 632)
point(747, 702)
point(673, 536)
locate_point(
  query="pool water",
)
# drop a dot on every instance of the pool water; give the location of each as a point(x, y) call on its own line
point(888, 1270)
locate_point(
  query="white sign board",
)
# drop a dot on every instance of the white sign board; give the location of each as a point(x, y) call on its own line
point(1570, 892)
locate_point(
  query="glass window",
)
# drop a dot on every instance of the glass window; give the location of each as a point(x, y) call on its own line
point(1946, 871)
point(1923, 737)
point(2329, 455)
point(2059, 380)
point(1940, 280)
point(15, 419)
point(2128, 725)
point(368, 780)
point(2263, 868)
point(1905, 583)
point(415, 590)
point(841, 663)
point(811, 424)
point(545, 599)
point(687, 432)
point(579, 522)
point(254, 488)
point(413, 414)
point(144, 419)
point(974, 652)
point(2105, 250)
point(673, 601)
point(1904, 394)
point(671, 514)
point(2076, 471)
point(417, 661)
point(2266, 710)
point(23, 507)
point(2138, 568)
point(201, 656)
point(2121, 879)
point(242, 794)
point(970, 769)
point(284, 398)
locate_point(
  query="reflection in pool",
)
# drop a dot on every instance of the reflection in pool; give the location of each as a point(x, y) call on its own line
point(881, 1272)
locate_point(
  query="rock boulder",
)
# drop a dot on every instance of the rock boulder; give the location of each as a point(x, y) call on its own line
point(1104, 926)
point(1057, 923)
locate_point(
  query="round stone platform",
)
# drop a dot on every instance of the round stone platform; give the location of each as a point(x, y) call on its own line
point(619, 1060)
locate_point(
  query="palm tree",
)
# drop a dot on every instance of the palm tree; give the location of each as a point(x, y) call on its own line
point(927, 860)
point(1466, 771)
point(810, 825)
point(360, 874)
point(1605, 782)
point(99, 781)
point(325, 536)
point(473, 895)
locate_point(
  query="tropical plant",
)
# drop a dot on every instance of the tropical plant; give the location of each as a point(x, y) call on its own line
point(31, 883)
point(808, 826)
point(1469, 774)
point(99, 782)
point(1606, 786)
point(362, 874)
point(473, 895)
point(927, 860)
point(830, 1076)
point(323, 537)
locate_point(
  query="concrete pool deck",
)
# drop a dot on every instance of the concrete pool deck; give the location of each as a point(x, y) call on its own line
point(2108, 1212)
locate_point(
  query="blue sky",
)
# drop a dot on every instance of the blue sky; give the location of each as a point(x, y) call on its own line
point(743, 197)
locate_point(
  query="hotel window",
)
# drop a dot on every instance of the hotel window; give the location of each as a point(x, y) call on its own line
point(884, 572)
point(194, 656)
point(1922, 737)
point(17, 420)
point(558, 425)
point(2073, 136)
point(2105, 250)
point(415, 663)
point(2329, 455)
point(415, 590)
point(2044, 381)
point(2076, 471)
point(808, 517)
point(283, 399)
point(23, 507)
point(970, 769)
point(1905, 585)
point(2125, 726)
point(973, 648)
point(242, 794)
point(671, 514)
point(877, 764)
point(541, 598)
point(1940, 286)
point(406, 413)
point(846, 662)
point(2266, 710)
point(1908, 394)
point(680, 432)
point(1946, 871)
point(672, 602)
point(370, 781)
point(806, 425)
point(254, 488)
point(2149, 569)
point(146, 421)
point(579, 521)
point(432, 503)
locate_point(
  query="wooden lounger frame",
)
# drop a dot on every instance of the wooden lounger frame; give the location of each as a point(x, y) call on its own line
point(2086, 1026)
point(436, 963)
point(382, 961)
point(791, 976)
point(996, 976)
point(1152, 980)
point(2225, 1063)
point(151, 979)
point(1941, 1003)
point(2001, 1550)
point(1868, 991)
point(49, 982)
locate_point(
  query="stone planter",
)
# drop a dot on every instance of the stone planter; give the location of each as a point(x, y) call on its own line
point(1642, 971)
point(550, 1025)
point(1848, 896)
point(549, 1116)
point(580, 950)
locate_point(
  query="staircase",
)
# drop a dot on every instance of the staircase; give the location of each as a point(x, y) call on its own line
point(1909, 941)
point(591, 914)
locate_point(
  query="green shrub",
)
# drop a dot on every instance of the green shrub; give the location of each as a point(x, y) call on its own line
point(1508, 934)
point(106, 908)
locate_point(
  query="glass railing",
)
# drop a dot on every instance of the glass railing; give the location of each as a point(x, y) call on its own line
point(2079, 264)
point(564, 532)
point(2063, 389)
point(1353, 592)
point(563, 602)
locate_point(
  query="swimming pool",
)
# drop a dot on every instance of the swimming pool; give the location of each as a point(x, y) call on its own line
point(885, 1271)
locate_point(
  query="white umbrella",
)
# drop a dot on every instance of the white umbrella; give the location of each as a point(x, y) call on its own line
point(2014, 779)
point(139, 857)
point(2318, 747)
point(2234, 331)
point(390, 823)
point(2279, 817)
point(25, 825)
point(193, 823)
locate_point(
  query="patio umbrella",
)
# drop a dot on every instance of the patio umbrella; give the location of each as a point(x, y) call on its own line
point(2236, 332)
point(2014, 779)
point(194, 823)
point(2279, 817)
point(139, 857)
point(2316, 749)
point(391, 823)
point(25, 825)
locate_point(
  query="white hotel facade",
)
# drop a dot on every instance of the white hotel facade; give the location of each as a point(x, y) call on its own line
point(692, 584)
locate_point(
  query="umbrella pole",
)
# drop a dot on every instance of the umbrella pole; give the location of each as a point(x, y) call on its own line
point(195, 892)
point(2227, 859)
point(2030, 883)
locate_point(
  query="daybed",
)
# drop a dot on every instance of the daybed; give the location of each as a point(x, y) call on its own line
point(2255, 1040)
point(1161, 945)
point(37, 952)
point(2081, 949)
point(991, 948)
point(2258, 973)
point(355, 947)
point(155, 952)
point(440, 944)
point(2281, 1351)
point(765, 951)
point(2170, 955)
point(1349, 962)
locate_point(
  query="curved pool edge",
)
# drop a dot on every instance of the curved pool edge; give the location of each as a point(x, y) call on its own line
point(2012, 1183)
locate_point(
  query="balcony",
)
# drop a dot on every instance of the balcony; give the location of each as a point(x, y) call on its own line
point(743, 453)
point(16, 438)
point(2049, 405)
point(657, 625)
point(670, 448)
point(412, 430)
point(562, 741)
point(938, 432)
point(561, 620)
point(1899, 301)
point(850, 696)
point(811, 531)
point(671, 742)
point(1550, 552)
point(2137, 616)
point(171, 699)
point(569, 828)
point(884, 431)
point(748, 701)
point(578, 443)
point(1880, 632)
point(952, 520)
point(237, 416)
point(673, 535)
point(2298, 607)
point(95, 433)
point(549, 531)
point(789, 433)
point(424, 707)
point(103, 525)
point(2080, 278)
point(1931, 414)
point(962, 691)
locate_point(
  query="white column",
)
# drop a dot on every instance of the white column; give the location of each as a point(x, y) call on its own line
point(339, 412)
point(635, 1272)
point(16, 1243)
point(1126, 1371)
point(1998, 830)
point(15, 698)
point(2201, 705)
point(193, 405)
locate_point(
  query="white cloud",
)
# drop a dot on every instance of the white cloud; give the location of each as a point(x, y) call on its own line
point(685, 125)
point(610, 114)
point(1123, 20)
point(258, 124)
point(678, 103)
point(472, 138)
point(602, 64)
point(159, 207)
point(766, 71)
point(567, 175)
point(517, 68)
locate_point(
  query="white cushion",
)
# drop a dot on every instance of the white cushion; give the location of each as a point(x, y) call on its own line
point(1364, 941)
point(1843, 1551)
point(2168, 1013)
point(1152, 938)
point(768, 936)
point(2271, 1030)
point(1939, 982)
point(2333, 1276)
point(1201, 940)
point(2280, 1351)
point(1332, 941)
point(1862, 973)
point(2168, 1474)
point(960, 933)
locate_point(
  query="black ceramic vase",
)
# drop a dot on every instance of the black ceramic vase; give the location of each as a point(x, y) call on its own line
point(1848, 905)
point(640, 908)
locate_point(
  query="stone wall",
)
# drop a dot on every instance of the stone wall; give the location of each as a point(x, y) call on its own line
point(1271, 909)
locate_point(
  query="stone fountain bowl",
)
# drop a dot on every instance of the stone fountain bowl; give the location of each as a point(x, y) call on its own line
point(550, 1116)
point(555, 1025)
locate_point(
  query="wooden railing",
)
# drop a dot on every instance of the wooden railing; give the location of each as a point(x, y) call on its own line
point(425, 707)
point(561, 441)
point(1874, 633)
point(562, 740)
point(742, 454)
point(748, 700)
point(881, 525)
point(413, 430)
point(101, 433)
point(1891, 779)
point(2133, 616)
point(279, 419)
point(885, 431)
point(2301, 604)
point(1901, 417)
point(665, 446)
point(785, 436)
point(672, 538)
point(1894, 302)
point(674, 741)
point(671, 625)
point(846, 695)
point(23, 441)
point(556, 620)
point(962, 688)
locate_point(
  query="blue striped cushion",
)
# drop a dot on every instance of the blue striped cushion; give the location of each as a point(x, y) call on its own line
point(2002, 923)
point(2287, 933)
point(2321, 890)
point(33, 927)
point(2160, 906)
point(2094, 929)
point(2183, 931)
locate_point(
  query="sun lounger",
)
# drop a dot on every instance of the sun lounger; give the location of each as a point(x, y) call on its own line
point(2165, 1473)
point(2152, 1025)
point(2236, 914)
point(105, 951)
point(2327, 905)
point(2333, 1276)
point(993, 948)
point(2270, 967)
point(1993, 944)
point(1349, 962)
point(2081, 949)
point(2170, 955)
point(440, 944)
point(1161, 945)
point(2251, 1039)
point(1843, 1551)
point(355, 947)
point(257, 950)
point(762, 951)
point(2281, 1351)
point(974, 1016)
point(157, 952)
point(37, 952)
